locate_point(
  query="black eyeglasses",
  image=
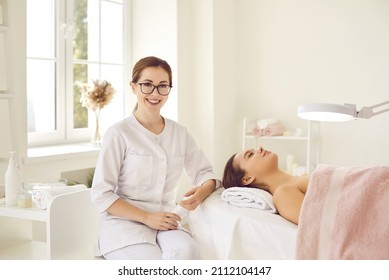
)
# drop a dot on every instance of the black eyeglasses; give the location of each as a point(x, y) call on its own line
point(148, 88)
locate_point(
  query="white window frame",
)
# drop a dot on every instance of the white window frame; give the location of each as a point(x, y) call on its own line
point(65, 133)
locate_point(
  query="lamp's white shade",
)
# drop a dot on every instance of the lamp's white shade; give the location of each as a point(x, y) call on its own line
point(327, 112)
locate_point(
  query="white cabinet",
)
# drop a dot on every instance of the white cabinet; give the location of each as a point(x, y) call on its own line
point(296, 154)
point(66, 230)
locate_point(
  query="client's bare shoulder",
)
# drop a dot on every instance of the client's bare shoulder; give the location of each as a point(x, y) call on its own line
point(289, 197)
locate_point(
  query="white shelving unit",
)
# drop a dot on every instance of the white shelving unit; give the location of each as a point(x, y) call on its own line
point(66, 230)
point(306, 145)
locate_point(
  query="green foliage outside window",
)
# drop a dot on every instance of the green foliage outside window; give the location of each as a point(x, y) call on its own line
point(80, 52)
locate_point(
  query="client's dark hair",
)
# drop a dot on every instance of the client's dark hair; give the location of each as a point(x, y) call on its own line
point(232, 174)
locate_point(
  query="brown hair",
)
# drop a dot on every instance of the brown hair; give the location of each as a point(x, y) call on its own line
point(232, 174)
point(150, 61)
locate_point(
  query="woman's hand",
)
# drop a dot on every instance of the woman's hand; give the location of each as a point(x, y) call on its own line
point(162, 220)
point(155, 220)
point(197, 195)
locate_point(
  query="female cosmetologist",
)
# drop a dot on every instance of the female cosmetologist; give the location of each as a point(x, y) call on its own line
point(259, 169)
point(137, 174)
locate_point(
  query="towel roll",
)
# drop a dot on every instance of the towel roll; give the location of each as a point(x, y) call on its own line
point(43, 198)
point(250, 198)
point(263, 123)
point(273, 130)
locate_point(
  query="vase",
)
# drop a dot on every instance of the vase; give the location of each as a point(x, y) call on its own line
point(96, 137)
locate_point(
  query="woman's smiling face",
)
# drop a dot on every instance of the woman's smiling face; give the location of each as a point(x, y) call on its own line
point(257, 163)
point(154, 101)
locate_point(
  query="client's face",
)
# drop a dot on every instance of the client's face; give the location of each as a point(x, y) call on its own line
point(258, 163)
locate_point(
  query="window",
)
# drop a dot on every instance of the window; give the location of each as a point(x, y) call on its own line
point(70, 43)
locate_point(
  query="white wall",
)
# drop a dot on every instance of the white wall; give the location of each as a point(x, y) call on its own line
point(267, 57)
point(207, 57)
point(302, 51)
point(226, 83)
point(154, 33)
point(195, 70)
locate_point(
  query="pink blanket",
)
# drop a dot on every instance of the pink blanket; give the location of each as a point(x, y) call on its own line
point(345, 214)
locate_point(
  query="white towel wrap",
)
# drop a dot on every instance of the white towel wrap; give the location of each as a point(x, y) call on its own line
point(249, 197)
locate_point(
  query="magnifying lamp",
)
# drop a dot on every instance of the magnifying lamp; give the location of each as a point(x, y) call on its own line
point(338, 113)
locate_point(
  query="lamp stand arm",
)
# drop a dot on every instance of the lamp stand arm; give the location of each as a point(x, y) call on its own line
point(367, 112)
point(380, 112)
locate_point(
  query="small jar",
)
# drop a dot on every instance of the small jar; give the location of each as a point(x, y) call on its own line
point(25, 200)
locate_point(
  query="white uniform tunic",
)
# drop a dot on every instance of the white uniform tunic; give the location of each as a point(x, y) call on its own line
point(144, 169)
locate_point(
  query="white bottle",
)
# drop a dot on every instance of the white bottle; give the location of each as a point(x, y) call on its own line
point(13, 181)
point(181, 211)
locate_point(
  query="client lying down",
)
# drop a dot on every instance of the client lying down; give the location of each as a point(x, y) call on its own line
point(259, 169)
point(341, 212)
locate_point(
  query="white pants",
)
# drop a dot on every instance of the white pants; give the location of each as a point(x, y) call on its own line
point(171, 245)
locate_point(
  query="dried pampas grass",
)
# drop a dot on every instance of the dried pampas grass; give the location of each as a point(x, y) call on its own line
point(96, 96)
